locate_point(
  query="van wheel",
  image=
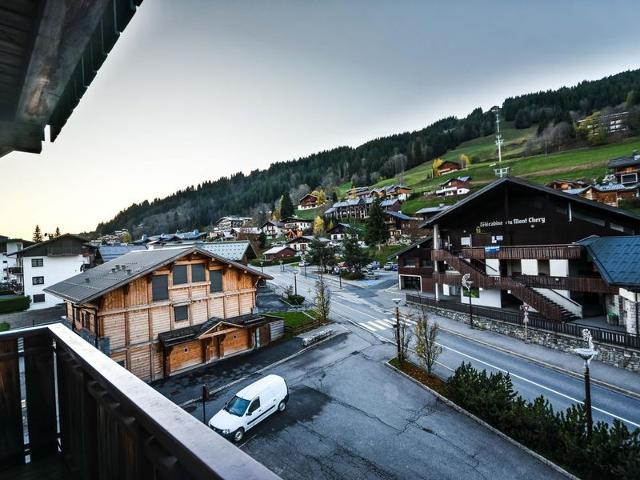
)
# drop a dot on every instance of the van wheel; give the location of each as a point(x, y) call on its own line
point(282, 405)
point(238, 435)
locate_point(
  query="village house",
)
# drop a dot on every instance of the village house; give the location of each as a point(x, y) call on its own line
point(278, 253)
point(523, 243)
point(298, 224)
point(454, 186)
point(303, 244)
point(106, 253)
point(609, 194)
point(359, 208)
point(340, 231)
point(448, 167)
point(357, 192)
point(241, 251)
point(427, 212)
point(272, 229)
point(566, 184)
point(625, 169)
point(225, 224)
point(415, 267)
point(308, 202)
point(9, 263)
point(159, 312)
point(45, 263)
point(401, 225)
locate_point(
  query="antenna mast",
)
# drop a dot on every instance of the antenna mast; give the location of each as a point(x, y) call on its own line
point(499, 140)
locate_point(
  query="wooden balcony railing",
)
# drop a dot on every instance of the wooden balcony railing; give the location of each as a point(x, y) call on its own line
point(540, 252)
point(423, 271)
point(101, 420)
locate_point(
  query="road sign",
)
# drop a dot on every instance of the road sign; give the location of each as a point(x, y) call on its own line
point(466, 281)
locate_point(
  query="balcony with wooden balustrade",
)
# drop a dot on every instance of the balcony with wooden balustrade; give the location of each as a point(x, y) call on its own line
point(539, 252)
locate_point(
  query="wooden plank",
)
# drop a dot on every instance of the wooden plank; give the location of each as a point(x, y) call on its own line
point(41, 400)
point(11, 435)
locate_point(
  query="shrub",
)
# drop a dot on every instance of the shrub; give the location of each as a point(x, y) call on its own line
point(295, 299)
point(352, 275)
point(4, 326)
point(14, 304)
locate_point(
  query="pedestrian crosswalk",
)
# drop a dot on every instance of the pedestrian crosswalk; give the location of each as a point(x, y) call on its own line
point(384, 324)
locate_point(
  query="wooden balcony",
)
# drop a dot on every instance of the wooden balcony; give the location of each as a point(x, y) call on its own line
point(422, 271)
point(87, 417)
point(540, 252)
point(575, 284)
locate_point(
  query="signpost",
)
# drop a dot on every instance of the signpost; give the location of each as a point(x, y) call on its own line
point(467, 283)
point(525, 320)
point(205, 399)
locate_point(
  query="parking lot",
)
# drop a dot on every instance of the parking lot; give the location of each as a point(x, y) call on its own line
point(349, 416)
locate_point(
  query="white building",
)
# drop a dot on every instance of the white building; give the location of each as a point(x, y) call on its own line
point(8, 262)
point(46, 263)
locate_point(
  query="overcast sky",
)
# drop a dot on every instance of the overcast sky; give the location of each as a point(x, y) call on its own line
point(195, 90)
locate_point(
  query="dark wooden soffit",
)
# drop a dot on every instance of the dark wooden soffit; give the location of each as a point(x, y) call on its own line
point(50, 51)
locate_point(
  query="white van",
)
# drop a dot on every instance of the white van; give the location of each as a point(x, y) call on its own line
point(250, 406)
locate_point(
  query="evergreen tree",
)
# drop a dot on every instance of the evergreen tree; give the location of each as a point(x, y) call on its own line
point(334, 196)
point(353, 255)
point(37, 235)
point(377, 231)
point(57, 234)
point(286, 207)
point(321, 254)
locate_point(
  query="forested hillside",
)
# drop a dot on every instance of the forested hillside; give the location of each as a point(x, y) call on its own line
point(554, 112)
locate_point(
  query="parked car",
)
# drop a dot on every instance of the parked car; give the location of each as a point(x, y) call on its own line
point(302, 263)
point(388, 266)
point(250, 406)
point(371, 276)
point(373, 265)
point(394, 267)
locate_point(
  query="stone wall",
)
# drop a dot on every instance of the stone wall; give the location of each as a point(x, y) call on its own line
point(612, 355)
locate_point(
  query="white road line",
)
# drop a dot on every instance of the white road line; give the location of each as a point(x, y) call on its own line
point(514, 375)
point(371, 329)
point(389, 323)
point(381, 324)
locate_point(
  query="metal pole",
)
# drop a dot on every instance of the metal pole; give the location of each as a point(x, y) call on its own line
point(587, 399)
point(470, 310)
point(398, 333)
point(340, 278)
point(295, 284)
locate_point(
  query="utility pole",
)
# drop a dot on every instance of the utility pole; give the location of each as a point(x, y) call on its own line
point(499, 140)
point(397, 302)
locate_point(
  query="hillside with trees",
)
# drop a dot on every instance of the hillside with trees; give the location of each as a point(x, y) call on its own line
point(552, 116)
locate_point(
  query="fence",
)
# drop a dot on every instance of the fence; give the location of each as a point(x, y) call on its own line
point(612, 337)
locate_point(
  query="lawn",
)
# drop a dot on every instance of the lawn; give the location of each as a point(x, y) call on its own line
point(384, 253)
point(294, 319)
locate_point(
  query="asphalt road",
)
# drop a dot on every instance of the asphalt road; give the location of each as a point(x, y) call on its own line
point(372, 310)
point(351, 417)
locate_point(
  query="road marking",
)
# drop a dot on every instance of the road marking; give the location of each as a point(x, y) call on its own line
point(381, 323)
point(370, 328)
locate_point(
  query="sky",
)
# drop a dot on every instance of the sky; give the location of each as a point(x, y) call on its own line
point(199, 89)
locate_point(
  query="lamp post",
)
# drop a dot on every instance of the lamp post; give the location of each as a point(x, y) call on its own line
point(397, 302)
point(281, 266)
point(296, 271)
point(587, 355)
point(525, 320)
point(262, 265)
point(467, 283)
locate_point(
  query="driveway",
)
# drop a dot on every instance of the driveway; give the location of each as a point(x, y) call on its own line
point(349, 416)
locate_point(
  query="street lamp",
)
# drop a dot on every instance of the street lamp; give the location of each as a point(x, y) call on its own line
point(467, 283)
point(525, 320)
point(296, 271)
point(281, 266)
point(262, 265)
point(397, 302)
point(587, 355)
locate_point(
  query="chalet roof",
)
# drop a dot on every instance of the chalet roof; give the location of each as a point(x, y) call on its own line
point(465, 178)
point(185, 334)
point(309, 195)
point(274, 223)
point(340, 226)
point(388, 202)
point(399, 215)
point(433, 209)
point(307, 239)
point(111, 252)
point(274, 250)
point(296, 220)
point(526, 184)
point(230, 250)
point(26, 250)
point(97, 281)
point(617, 259)
point(419, 244)
point(631, 160)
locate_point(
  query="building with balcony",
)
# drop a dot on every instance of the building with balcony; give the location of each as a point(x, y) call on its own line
point(308, 202)
point(415, 267)
point(523, 243)
point(454, 187)
point(158, 312)
point(9, 270)
point(625, 169)
point(46, 263)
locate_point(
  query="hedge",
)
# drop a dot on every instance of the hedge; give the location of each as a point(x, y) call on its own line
point(612, 453)
point(14, 304)
point(4, 326)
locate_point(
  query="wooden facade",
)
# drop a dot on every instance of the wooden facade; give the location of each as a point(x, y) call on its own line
point(131, 319)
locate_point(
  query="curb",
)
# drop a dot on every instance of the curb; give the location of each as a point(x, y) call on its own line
point(192, 401)
point(481, 422)
point(571, 373)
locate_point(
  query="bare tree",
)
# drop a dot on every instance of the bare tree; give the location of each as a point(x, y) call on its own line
point(426, 337)
point(403, 337)
point(323, 300)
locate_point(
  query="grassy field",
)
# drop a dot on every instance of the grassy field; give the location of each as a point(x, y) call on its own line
point(294, 319)
point(384, 253)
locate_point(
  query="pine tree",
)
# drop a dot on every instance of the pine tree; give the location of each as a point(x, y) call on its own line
point(377, 231)
point(354, 257)
point(286, 207)
point(57, 234)
point(37, 235)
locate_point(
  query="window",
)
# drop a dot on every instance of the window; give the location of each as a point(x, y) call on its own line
point(160, 287)
point(122, 363)
point(181, 313)
point(216, 280)
point(424, 262)
point(629, 178)
point(544, 267)
point(38, 298)
point(197, 272)
point(37, 262)
point(179, 274)
point(37, 280)
point(254, 405)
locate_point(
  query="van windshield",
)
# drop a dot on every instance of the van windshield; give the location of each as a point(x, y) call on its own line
point(237, 406)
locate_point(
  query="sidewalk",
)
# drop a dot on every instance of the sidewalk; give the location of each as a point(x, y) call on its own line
point(571, 364)
point(186, 387)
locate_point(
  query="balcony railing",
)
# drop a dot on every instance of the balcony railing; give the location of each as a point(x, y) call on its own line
point(540, 252)
point(406, 270)
point(98, 418)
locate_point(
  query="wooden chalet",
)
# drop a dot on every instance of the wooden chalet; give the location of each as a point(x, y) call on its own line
point(626, 169)
point(415, 266)
point(454, 186)
point(566, 184)
point(448, 167)
point(277, 253)
point(159, 312)
point(401, 225)
point(308, 202)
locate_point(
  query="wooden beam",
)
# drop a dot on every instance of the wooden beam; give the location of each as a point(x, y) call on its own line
point(20, 136)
